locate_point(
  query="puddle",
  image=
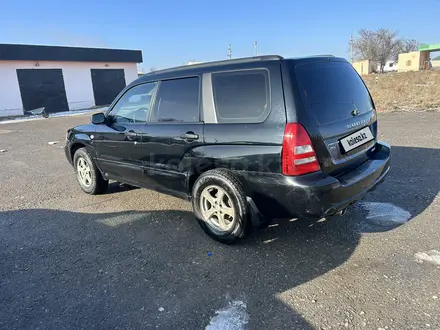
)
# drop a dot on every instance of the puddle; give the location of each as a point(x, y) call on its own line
point(432, 257)
point(119, 220)
point(385, 214)
point(232, 317)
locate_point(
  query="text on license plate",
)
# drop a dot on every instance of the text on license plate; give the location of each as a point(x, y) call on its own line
point(357, 139)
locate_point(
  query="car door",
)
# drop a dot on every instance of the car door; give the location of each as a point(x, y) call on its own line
point(118, 144)
point(172, 134)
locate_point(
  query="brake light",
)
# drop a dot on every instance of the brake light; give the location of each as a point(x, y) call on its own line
point(377, 131)
point(298, 156)
point(377, 125)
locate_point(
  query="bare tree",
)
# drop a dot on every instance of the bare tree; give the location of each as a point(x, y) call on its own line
point(408, 45)
point(381, 46)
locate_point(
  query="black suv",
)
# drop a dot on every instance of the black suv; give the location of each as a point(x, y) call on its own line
point(245, 140)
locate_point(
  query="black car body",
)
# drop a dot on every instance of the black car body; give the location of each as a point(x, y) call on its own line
point(299, 136)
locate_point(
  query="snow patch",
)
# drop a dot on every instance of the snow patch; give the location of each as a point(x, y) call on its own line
point(52, 115)
point(232, 317)
point(385, 214)
point(432, 257)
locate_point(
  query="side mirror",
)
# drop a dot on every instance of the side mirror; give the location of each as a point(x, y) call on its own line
point(98, 118)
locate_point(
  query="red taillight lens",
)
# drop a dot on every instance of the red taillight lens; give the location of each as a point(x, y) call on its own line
point(298, 155)
point(377, 126)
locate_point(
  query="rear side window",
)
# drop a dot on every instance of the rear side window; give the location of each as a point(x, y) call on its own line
point(332, 90)
point(177, 101)
point(241, 96)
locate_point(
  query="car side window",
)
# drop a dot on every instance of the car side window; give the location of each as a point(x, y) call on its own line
point(241, 96)
point(177, 101)
point(134, 105)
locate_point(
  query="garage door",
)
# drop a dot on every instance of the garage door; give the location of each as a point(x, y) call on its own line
point(107, 83)
point(42, 88)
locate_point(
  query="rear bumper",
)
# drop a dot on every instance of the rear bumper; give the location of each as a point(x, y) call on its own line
point(317, 194)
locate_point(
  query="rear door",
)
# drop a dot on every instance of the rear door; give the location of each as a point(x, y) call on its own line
point(245, 130)
point(344, 119)
point(172, 133)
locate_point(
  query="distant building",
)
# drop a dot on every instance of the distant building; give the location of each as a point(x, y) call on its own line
point(413, 61)
point(365, 67)
point(62, 78)
point(436, 62)
point(418, 60)
point(390, 66)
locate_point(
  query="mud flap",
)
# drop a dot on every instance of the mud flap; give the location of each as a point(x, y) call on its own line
point(257, 219)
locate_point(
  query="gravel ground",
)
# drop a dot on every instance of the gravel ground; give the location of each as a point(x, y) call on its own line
point(136, 259)
point(405, 91)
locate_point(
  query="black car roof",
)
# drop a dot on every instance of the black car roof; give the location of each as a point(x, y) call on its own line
point(239, 63)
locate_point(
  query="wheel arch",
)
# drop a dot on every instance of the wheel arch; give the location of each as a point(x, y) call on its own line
point(195, 172)
point(206, 166)
point(74, 147)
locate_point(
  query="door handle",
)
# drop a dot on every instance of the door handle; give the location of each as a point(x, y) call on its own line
point(131, 135)
point(189, 136)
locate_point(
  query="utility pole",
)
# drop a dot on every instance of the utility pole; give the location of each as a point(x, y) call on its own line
point(256, 48)
point(229, 51)
point(351, 48)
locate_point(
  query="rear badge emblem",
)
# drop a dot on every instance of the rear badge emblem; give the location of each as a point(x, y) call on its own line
point(357, 123)
point(355, 112)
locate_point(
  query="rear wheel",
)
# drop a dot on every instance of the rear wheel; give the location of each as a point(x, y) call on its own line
point(87, 174)
point(220, 206)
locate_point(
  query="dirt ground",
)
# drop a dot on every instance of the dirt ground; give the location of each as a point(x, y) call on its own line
point(405, 91)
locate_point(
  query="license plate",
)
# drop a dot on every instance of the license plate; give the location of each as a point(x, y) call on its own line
point(356, 139)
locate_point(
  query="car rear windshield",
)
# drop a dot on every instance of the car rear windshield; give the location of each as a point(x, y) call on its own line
point(332, 90)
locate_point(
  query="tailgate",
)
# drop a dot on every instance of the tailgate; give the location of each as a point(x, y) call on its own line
point(345, 119)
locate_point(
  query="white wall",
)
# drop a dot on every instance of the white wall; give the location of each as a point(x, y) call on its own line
point(436, 64)
point(387, 67)
point(77, 80)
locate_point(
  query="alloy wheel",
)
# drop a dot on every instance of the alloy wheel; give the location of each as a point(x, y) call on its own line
point(217, 208)
point(84, 172)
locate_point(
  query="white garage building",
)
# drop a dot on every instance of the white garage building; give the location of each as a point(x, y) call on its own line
point(62, 78)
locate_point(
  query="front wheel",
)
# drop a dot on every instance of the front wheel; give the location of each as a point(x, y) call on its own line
point(87, 174)
point(220, 205)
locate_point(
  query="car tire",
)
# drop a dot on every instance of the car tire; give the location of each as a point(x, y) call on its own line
point(87, 174)
point(220, 205)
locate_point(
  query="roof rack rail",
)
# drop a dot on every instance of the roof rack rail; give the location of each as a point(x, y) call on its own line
point(214, 63)
point(312, 56)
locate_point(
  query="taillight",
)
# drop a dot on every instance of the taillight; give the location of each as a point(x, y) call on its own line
point(377, 131)
point(298, 156)
point(377, 125)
